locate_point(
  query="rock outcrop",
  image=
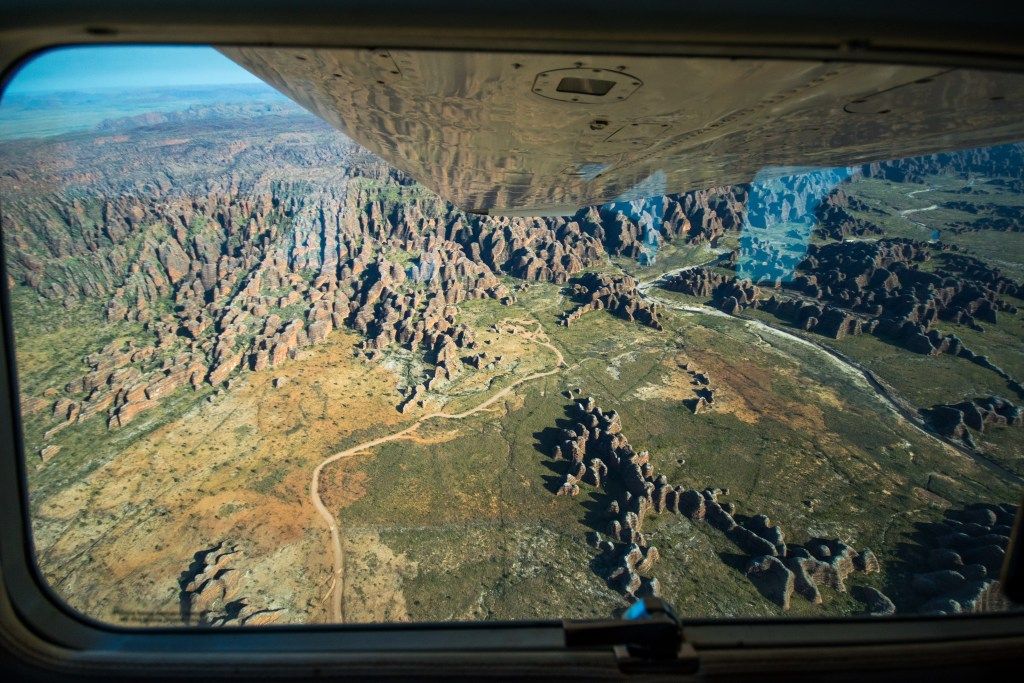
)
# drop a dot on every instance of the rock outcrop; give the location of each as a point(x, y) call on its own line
point(618, 295)
point(877, 287)
point(956, 420)
point(210, 591)
point(700, 383)
point(834, 221)
point(596, 453)
point(955, 564)
point(725, 291)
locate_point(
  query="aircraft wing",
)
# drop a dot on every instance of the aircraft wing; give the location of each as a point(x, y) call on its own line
point(545, 134)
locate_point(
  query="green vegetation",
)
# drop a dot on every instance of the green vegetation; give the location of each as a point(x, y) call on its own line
point(392, 195)
point(197, 225)
point(460, 502)
point(51, 340)
point(269, 483)
point(887, 200)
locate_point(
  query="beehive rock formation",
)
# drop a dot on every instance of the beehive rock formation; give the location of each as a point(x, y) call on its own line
point(958, 419)
point(956, 562)
point(594, 451)
point(618, 295)
point(869, 287)
point(210, 591)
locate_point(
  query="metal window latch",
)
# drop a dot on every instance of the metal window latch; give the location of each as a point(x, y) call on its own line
point(649, 637)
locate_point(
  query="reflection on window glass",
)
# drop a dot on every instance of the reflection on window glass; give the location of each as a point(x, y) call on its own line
point(265, 378)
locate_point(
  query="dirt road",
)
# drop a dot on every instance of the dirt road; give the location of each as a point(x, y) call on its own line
point(337, 589)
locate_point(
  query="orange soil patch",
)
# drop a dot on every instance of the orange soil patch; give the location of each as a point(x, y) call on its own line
point(744, 389)
point(342, 484)
point(237, 469)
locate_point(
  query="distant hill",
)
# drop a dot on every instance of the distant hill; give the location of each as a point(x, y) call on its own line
point(37, 115)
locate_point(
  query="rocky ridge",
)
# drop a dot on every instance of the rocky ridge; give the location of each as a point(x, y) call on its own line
point(833, 220)
point(954, 565)
point(957, 419)
point(877, 287)
point(597, 454)
point(618, 295)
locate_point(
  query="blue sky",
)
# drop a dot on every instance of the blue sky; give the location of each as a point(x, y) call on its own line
point(88, 68)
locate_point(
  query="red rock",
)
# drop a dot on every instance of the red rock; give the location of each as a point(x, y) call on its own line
point(129, 411)
point(47, 452)
point(319, 330)
point(220, 372)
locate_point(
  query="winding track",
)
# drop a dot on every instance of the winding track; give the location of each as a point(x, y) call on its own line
point(337, 589)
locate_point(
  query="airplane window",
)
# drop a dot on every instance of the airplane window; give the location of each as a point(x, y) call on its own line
point(267, 377)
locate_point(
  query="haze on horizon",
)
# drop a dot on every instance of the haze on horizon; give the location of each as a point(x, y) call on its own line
point(75, 69)
point(73, 89)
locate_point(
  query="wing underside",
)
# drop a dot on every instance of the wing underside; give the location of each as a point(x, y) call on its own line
point(535, 134)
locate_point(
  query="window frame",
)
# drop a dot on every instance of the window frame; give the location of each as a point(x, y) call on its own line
point(40, 612)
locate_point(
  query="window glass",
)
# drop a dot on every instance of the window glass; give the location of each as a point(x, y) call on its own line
point(267, 378)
